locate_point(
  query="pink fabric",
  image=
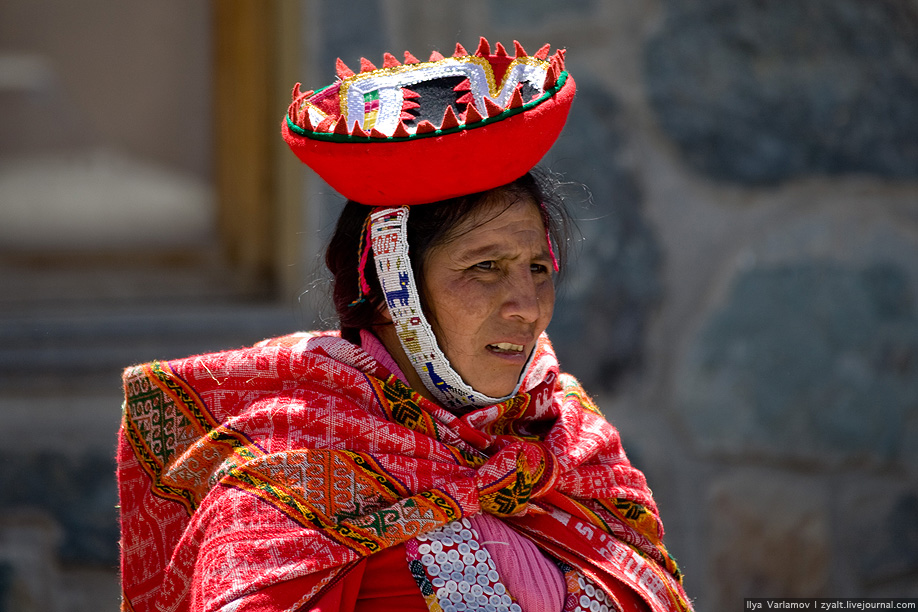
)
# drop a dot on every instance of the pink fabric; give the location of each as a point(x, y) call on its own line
point(374, 346)
point(534, 580)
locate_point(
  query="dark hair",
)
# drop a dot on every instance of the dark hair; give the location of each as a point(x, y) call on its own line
point(429, 225)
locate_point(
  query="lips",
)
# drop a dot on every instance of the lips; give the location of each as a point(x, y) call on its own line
point(506, 348)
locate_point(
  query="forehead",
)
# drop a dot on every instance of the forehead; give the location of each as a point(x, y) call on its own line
point(500, 211)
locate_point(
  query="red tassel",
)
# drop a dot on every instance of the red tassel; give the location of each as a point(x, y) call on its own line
point(460, 51)
point(358, 131)
point(551, 78)
point(294, 108)
point(542, 53)
point(520, 51)
point(374, 133)
point(341, 126)
point(327, 125)
point(561, 53)
point(472, 115)
point(449, 119)
point(425, 127)
point(342, 70)
point(363, 253)
point(366, 65)
point(484, 49)
point(465, 85)
point(435, 56)
point(516, 100)
point(390, 61)
point(557, 60)
point(551, 251)
point(499, 51)
point(492, 107)
point(410, 59)
point(400, 131)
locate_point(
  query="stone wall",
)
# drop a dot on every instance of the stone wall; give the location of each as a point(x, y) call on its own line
point(743, 301)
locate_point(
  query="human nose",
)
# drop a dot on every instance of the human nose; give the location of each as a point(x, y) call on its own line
point(522, 299)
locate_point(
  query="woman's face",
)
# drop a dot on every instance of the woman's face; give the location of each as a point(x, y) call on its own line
point(489, 292)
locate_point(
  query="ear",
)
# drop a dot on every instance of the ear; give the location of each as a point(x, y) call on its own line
point(383, 316)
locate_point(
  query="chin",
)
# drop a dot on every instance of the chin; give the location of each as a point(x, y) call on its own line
point(496, 390)
point(494, 383)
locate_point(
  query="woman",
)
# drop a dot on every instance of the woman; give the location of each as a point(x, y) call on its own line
point(429, 455)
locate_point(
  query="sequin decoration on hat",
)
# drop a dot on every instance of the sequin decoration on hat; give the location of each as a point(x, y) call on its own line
point(416, 132)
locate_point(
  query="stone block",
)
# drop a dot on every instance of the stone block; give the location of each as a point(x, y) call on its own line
point(879, 528)
point(29, 573)
point(350, 30)
point(760, 92)
point(6, 586)
point(809, 361)
point(769, 536)
point(516, 13)
point(79, 495)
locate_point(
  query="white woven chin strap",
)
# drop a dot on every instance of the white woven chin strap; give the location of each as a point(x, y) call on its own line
point(389, 234)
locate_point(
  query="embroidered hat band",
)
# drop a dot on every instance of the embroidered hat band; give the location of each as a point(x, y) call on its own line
point(416, 132)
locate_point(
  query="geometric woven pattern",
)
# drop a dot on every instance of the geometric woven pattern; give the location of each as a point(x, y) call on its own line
point(271, 471)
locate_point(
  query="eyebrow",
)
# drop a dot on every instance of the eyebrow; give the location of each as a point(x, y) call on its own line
point(494, 251)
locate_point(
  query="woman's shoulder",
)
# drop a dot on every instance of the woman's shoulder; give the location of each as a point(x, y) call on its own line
point(300, 338)
point(301, 341)
point(278, 357)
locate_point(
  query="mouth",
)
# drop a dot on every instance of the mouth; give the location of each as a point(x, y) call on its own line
point(506, 348)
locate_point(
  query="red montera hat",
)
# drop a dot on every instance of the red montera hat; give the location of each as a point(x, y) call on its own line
point(418, 132)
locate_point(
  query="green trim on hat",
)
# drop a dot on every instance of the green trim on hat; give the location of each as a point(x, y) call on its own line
point(333, 137)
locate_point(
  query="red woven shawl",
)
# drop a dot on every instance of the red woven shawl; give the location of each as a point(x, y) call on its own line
point(266, 473)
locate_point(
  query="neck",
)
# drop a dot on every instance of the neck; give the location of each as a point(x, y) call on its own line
point(386, 334)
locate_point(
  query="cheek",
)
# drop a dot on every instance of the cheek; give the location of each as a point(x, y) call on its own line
point(446, 311)
point(547, 302)
point(457, 311)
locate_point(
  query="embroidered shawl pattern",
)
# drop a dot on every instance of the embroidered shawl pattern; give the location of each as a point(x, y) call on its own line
point(288, 462)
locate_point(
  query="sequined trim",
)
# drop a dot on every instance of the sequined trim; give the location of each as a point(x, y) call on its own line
point(585, 596)
point(455, 573)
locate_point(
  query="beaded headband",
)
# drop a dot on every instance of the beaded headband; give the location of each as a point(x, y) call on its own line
point(416, 132)
point(393, 267)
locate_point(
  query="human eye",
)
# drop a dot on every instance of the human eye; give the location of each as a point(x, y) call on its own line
point(539, 268)
point(485, 265)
